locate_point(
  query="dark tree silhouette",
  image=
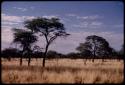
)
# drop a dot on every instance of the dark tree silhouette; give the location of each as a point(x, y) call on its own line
point(96, 46)
point(100, 47)
point(73, 55)
point(121, 52)
point(84, 49)
point(10, 53)
point(49, 28)
point(52, 54)
point(37, 51)
point(25, 39)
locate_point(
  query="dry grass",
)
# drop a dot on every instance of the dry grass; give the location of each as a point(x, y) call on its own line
point(63, 71)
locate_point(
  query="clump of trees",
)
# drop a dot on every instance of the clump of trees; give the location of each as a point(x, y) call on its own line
point(25, 39)
point(50, 29)
point(96, 47)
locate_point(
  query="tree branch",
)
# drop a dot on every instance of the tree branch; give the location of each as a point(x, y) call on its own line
point(52, 39)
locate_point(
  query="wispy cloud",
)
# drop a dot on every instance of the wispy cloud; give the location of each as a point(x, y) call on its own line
point(7, 35)
point(32, 7)
point(71, 15)
point(9, 19)
point(91, 17)
point(119, 26)
point(96, 23)
point(50, 16)
point(5, 27)
point(9, 23)
point(20, 8)
point(88, 24)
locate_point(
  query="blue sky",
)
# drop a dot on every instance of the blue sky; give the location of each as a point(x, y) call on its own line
point(81, 19)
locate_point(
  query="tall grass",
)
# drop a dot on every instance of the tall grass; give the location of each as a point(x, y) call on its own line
point(63, 71)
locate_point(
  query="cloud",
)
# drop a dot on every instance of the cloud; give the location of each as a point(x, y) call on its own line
point(6, 27)
point(65, 20)
point(89, 24)
point(32, 7)
point(91, 17)
point(9, 23)
point(50, 16)
point(119, 26)
point(11, 18)
point(7, 35)
point(71, 15)
point(28, 17)
point(21, 9)
point(95, 23)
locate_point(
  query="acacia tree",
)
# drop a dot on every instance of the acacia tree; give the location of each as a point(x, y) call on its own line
point(95, 45)
point(25, 39)
point(49, 28)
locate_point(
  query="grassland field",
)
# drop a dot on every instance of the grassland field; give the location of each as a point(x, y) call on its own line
point(63, 71)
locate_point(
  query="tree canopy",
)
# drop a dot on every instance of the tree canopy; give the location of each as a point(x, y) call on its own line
point(49, 28)
point(95, 45)
point(25, 39)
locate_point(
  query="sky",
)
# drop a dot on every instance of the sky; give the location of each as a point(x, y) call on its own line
point(80, 18)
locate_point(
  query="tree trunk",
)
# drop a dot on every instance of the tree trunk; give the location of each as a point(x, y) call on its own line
point(29, 61)
point(44, 61)
point(21, 61)
point(45, 54)
point(103, 60)
point(85, 61)
point(9, 59)
point(93, 60)
point(22, 57)
point(29, 55)
point(93, 55)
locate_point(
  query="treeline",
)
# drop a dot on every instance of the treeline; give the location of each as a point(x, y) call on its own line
point(9, 53)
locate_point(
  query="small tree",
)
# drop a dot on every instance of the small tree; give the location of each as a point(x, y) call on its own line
point(49, 28)
point(96, 46)
point(25, 39)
